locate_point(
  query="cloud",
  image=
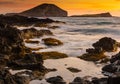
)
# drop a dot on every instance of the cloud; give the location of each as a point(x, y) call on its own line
point(6, 2)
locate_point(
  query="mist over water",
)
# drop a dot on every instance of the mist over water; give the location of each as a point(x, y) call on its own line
point(79, 33)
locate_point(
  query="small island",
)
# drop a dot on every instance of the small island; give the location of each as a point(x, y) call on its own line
point(107, 14)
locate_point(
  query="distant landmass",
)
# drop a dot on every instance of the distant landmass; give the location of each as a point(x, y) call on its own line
point(94, 15)
point(43, 10)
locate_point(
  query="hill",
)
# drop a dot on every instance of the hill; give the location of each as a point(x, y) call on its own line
point(43, 10)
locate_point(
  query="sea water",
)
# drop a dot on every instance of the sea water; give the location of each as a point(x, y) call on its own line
point(77, 34)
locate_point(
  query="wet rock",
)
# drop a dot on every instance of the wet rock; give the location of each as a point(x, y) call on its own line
point(52, 42)
point(15, 55)
point(7, 78)
point(99, 80)
point(109, 68)
point(79, 80)
point(74, 70)
point(11, 41)
point(112, 69)
point(92, 56)
point(115, 58)
point(23, 21)
point(56, 80)
point(52, 55)
point(107, 44)
point(32, 33)
point(31, 61)
point(96, 50)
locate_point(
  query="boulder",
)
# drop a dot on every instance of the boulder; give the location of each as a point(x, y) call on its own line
point(99, 80)
point(109, 68)
point(107, 44)
point(79, 80)
point(52, 42)
point(7, 78)
point(74, 70)
point(93, 56)
point(52, 55)
point(56, 80)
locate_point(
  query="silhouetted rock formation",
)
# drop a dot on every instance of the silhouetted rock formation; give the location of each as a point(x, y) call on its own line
point(23, 21)
point(94, 15)
point(43, 10)
point(48, 10)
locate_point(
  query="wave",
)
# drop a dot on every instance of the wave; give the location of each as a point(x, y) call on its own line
point(97, 31)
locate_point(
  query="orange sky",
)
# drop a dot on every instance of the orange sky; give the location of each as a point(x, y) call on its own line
point(74, 7)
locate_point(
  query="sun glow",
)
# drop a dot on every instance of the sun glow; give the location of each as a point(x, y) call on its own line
point(72, 6)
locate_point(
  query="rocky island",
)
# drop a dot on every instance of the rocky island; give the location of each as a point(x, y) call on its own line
point(43, 10)
point(94, 15)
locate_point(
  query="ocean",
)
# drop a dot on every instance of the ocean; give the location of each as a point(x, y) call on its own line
point(77, 34)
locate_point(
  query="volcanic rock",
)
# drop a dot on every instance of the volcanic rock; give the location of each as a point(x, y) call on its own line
point(52, 41)
point(56, 80)
point(17, 20)
point(79, 80)
point(52, 55)
point(7, 78)
point(31, 61)
point(45, 10)
point(107, 44)
point(32, 33)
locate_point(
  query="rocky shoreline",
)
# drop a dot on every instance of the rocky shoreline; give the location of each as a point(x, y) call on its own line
point(14, 55)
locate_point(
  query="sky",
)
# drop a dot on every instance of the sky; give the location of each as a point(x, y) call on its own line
point(74, 7)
